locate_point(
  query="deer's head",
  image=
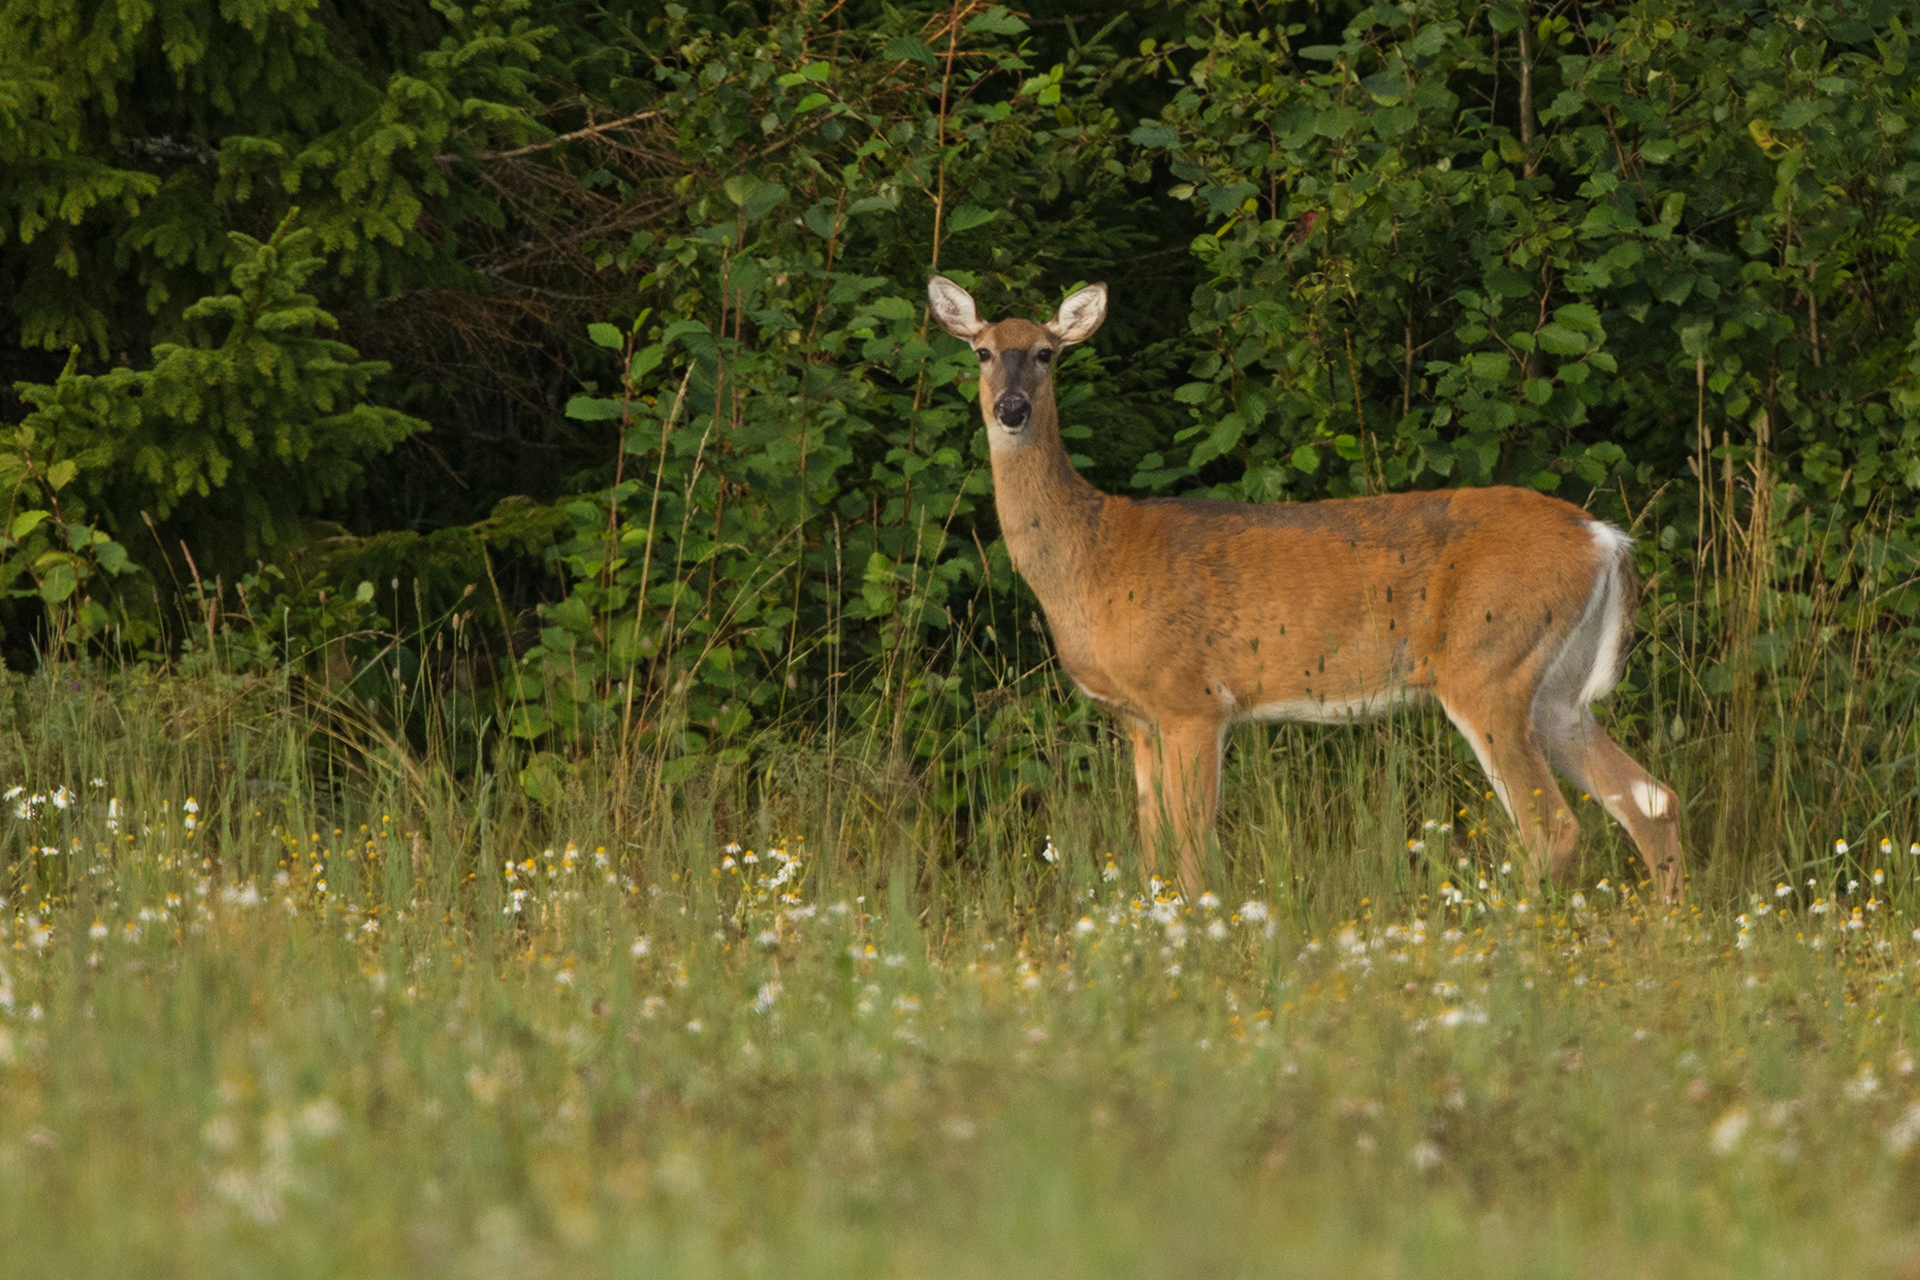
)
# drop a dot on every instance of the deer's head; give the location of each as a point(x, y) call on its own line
point(1016, 356)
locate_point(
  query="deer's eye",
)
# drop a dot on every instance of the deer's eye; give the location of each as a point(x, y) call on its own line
point(1043, 355)
point(984, 354)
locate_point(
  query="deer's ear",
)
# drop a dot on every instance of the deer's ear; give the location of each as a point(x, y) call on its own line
point(953, 308)
point(1080, 314)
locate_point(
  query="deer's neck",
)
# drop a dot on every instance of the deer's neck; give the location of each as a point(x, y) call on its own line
point(1049, 515)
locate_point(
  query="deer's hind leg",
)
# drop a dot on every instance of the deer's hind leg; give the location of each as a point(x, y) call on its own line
point(1562, 718)
point(1503, 740)
point(1638, 801)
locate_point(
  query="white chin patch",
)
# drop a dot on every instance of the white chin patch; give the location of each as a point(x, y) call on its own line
point(1651, 797)
point(1002, 438)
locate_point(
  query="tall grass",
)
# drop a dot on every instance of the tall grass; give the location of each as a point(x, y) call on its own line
point(390, 1004)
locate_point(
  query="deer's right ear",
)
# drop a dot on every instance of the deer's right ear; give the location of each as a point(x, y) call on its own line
point(953, 308)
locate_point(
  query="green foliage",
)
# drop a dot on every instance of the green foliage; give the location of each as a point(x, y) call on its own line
point(322, 1017)
point(653, 275)
point(801, 480)
point(133, 139)
point(1454, 251)
point(257, 422)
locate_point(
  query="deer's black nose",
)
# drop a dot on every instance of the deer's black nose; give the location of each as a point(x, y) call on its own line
point(1012, 409)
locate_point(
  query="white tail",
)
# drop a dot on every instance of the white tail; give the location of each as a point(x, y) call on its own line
point(1511, 609)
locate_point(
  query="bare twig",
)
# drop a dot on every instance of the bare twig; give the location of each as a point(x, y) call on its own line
point(591, 131)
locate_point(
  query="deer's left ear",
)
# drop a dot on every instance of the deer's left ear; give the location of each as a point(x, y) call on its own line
point(1080, 314)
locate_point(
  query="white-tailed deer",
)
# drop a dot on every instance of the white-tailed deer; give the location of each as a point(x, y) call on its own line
point(1510, 608)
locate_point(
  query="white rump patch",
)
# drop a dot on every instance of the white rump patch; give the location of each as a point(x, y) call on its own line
point(1615, 542)
point(1614, 546)
point(1651, 797)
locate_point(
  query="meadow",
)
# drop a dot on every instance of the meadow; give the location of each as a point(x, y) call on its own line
point(257, 1017)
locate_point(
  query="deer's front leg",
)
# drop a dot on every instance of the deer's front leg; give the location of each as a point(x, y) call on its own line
point(1176, 767)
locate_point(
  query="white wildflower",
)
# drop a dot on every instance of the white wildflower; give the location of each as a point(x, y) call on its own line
point(1727, 1131)
point(1863, 1085)
point(321, 1118)
point(1904, 1132)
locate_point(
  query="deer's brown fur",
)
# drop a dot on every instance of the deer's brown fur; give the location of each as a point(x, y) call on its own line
point(1510, 608)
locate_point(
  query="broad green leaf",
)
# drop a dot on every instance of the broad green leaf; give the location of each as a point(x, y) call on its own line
point(528, 721)
point(1155, 133)
point(58, 582)
point(969, 216)
point(1430, 40)
point(1508, 283)
point(645, 361)
point(61, 474)
point(1799, 115)
point(677, 771)
point(910, 48)
point(1336, 122)
point(26, 522)
point(605, 335)
point(1579, 315)
point(544, 778)
point(1559, 340)
point(822, 220)
point(594, 408)
point(1488, 366)
point(996, 21)
point(1388, 86)
point(765, 198)
point(1566, 103)
point(1224, 200)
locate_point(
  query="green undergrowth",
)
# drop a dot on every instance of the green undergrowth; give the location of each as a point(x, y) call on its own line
point(271, 1008)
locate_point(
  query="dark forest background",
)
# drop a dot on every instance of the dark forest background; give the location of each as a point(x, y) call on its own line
point(572, 359)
